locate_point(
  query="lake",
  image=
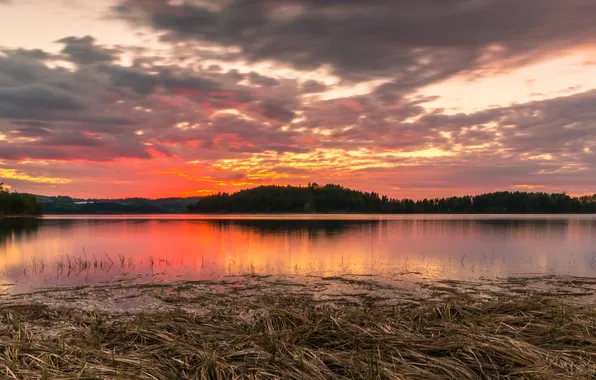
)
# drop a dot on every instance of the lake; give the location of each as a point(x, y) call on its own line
point(84, 250)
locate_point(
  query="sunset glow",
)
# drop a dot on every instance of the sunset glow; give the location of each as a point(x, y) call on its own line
point(192, 248)
point(157, 98)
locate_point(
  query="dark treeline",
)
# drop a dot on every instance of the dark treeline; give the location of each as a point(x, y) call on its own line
point(100, 208)
point(68, 205)
point(15, 204)
point(334, 198)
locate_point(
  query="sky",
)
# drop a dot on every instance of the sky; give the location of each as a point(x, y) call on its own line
point(426, 98)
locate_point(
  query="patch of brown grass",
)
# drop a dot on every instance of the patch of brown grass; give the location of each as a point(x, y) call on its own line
point(296, 337)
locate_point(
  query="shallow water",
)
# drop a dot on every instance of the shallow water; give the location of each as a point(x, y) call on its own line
point(88, 250)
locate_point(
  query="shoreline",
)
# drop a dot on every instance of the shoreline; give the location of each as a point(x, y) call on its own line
point(315, 216)
point(20, 216)
point(302, 214)
point(304, 328)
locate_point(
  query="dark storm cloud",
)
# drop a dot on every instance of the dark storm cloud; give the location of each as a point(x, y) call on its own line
point(18, 69)
point(70, 139)
point(236, 75)
point(313, 86)
point(196, 82)
point(417, 42)
point(275, 109)
point(18, 151)
point(262, 80)
point(28, 128)
point(388, 93)
point(34, 124)
point(84, 50)
point(139, 80)
point(214, 68)
point(30, 132)
point(36, 96)
point(31, 53)
point(143, 82)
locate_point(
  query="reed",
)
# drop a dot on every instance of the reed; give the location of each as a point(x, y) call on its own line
point(299, 337)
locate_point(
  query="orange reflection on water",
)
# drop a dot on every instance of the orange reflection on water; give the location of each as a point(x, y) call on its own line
point(193, 247)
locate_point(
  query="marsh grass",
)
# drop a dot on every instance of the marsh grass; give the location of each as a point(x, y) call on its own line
point(298, 337)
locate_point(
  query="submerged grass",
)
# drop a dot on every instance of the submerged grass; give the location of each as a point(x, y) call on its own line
point(298, 337)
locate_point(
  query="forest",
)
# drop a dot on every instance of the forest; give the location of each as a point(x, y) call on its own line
point(337, 199)
point(68, 205)
point(15, 204)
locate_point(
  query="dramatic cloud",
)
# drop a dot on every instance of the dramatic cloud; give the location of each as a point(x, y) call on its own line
point(311, 86)
point(84, 51)
point(261, 80)
point(416, 42)
point(137, 80)
point(236, 93)
point(33, 97)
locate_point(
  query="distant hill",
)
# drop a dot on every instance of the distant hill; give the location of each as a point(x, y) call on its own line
point(325, 199)
point(68, 205)
point(337, 199)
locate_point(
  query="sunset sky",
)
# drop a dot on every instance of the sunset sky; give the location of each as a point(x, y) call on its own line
point(156, 98)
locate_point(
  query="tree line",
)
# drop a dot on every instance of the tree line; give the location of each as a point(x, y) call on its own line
point(15, 204)
point(334, 198)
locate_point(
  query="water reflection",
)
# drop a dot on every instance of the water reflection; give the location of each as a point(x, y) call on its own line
point(313, 229)
point(75, 251)
point(17, 228)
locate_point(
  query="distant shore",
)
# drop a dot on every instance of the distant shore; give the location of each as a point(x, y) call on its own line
point(299, 213)
point(328, 198)
point(22, 216)
point(266, 327)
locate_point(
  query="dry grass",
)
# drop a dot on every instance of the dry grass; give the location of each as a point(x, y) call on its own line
point(297, 337)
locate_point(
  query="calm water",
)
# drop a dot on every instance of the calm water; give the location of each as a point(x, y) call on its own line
point(57, 251)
